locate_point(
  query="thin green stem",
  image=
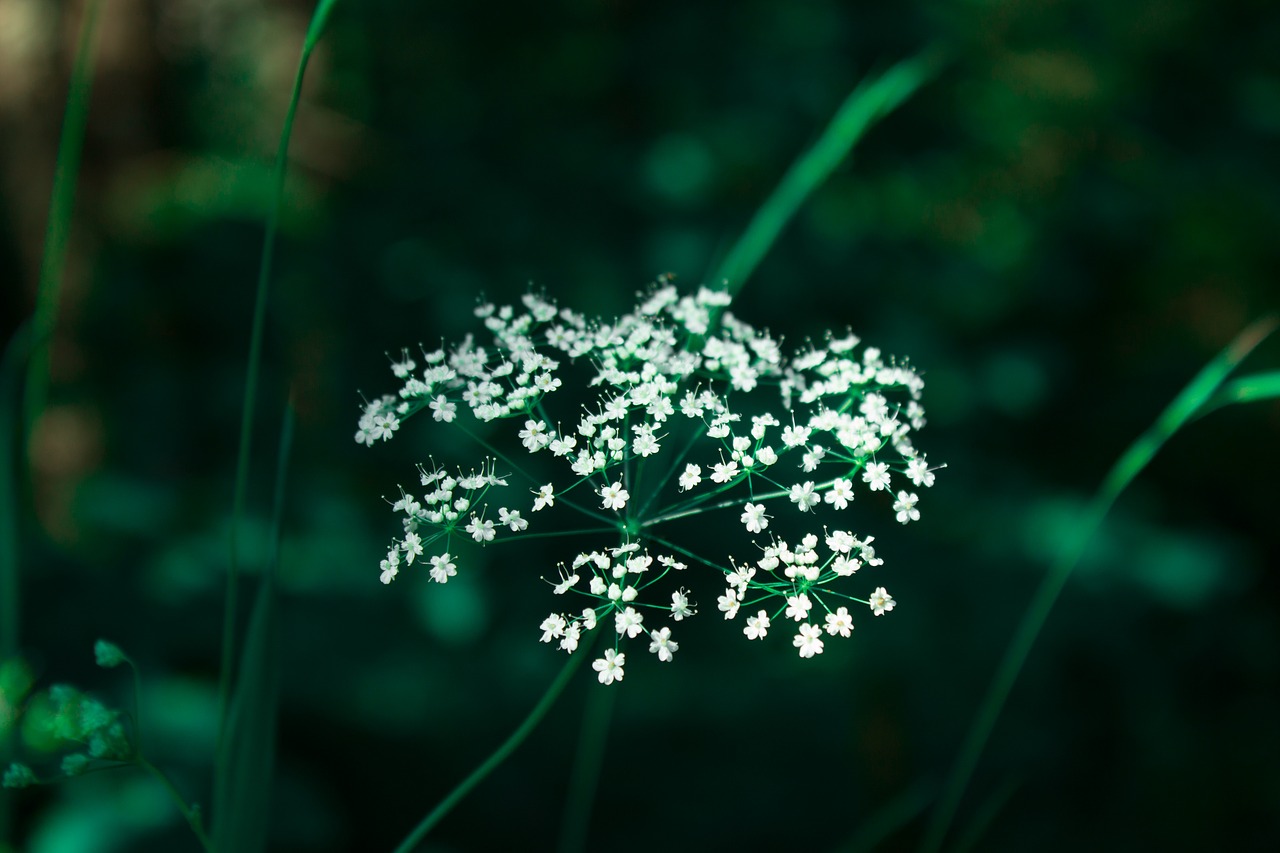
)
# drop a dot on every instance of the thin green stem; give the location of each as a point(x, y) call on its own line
point(1183, 408)
point(679, 458)
point(586, 770)
point(524, 537)
point(190, 813)
point(225, 677)
point(695, 510)
point(500, 755)
point(666, 543)
point(58, 228)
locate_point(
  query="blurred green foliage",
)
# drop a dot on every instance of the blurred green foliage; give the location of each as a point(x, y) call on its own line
point(1060, 231)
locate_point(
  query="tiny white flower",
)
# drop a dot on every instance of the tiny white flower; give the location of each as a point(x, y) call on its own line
point(845, 566)
point(918, 472)
point(443, 410)
point(691, 477)
point(534, 435)
point(615, 497)
point(803, 496)
point(876, 475)
point(840, 622)
point(905, 506)
point(754, 518)
point(512, 519)
point(662, 645)
point(571, 636)
point(794, 436)
point(383, 426)
point(481, 531)
point(442, 568)
point(671, 563)
point(880, 601)
point(841, 541)
point(729, 603)
point(680, 605)
point(645, 445)
point(566, 582)
point(808, 641)
point(552, 626)
point(841, 493)
point(610, 666)
point(412, 546)
point(757, 626)
point(639, 563)
point(798, 607)
point(813, 458)
point(724, 471)
point(404, 367)
point(546, 496)
point(628, 622)
point(562, 445)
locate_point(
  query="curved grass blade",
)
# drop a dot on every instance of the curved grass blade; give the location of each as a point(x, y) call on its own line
point(58, 229)
point(241, 801)
point(314, 31)
point(1187, 405)
point(872, 100)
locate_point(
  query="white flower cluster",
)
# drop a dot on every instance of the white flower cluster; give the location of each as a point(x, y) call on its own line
point(751, 431)
point(799, 577)
point(439, 513)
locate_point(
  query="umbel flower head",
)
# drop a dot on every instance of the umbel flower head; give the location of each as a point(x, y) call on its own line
point(673, 410)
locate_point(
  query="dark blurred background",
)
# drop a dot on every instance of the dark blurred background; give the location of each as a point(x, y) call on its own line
point(1059, 231)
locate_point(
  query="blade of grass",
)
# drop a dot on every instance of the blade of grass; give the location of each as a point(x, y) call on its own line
point(58, 229)
point(1184, 407)
point(241, 802)
point(225, 678)
point(870, 101)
